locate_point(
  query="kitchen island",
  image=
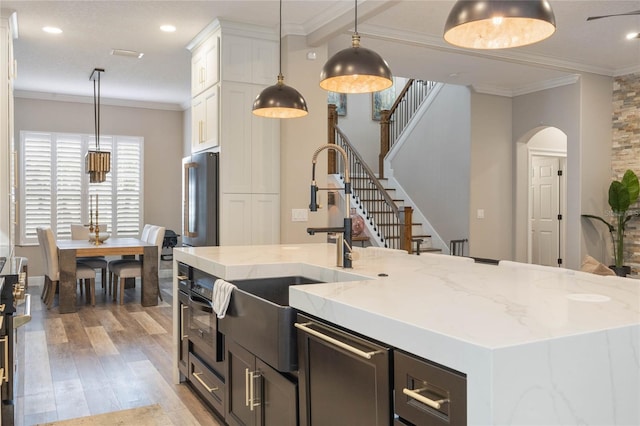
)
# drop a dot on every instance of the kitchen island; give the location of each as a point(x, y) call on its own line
point(537, 347)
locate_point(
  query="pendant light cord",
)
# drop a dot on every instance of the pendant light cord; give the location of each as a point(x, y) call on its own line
point(356, 19)
point(280, 43)
point(96, 111)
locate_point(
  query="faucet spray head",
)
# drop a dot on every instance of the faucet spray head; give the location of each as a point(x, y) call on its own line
point(313, 206)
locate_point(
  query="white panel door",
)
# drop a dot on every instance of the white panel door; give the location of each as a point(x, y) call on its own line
point(265, 219)
point(545, 207)
point(235, 220)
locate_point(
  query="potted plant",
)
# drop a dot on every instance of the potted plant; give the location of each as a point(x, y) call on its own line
point(622, 195)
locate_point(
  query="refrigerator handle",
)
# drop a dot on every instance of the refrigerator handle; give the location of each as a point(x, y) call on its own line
point(187, 216)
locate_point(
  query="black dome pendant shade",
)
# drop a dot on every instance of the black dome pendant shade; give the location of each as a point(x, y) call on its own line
point(280, 100)
point(499, 24)
point(356, 69)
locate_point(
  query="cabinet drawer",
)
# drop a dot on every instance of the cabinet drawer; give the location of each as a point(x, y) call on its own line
point(427, 394)
point(207, 383)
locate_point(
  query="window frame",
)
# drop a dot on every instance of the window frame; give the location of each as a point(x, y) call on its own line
point(87, 142)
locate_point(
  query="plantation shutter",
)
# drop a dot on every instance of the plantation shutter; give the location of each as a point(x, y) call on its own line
point(55, 190)
point(128, 187)
point(68, 183)
point(37, 191)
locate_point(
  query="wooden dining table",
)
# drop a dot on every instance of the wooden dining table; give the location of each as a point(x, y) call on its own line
point(69, 250)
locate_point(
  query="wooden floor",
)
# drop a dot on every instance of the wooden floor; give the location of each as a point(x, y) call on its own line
point(100, 359)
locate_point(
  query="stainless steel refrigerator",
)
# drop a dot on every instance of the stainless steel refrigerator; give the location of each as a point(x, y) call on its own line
point(200, 209)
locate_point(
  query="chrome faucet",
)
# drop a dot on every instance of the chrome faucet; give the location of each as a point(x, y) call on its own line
point(343, 243)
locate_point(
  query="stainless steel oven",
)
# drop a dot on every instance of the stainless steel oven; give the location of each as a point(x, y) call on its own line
point(202, 321)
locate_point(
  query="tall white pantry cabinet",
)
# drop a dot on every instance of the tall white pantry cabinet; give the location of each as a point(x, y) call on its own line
point(231, 64)
point(8, 171)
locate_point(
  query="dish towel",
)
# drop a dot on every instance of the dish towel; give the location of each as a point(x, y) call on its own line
point(221, 296)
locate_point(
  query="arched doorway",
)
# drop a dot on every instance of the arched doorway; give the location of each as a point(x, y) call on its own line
point(545, 150)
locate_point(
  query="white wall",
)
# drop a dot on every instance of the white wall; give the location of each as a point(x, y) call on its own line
point(163, 145)
point(362, 131)
point(491, 183)
point(434, 164)
point(299, 139)
point(583, 112)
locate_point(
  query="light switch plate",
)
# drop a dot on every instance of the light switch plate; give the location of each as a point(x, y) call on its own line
point(299, 215)
point(480, 214)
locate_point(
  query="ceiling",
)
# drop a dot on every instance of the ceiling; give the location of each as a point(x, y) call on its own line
point(408, 34)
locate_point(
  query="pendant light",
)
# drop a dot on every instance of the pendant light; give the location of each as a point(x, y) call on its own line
point(280, 100)
point(356, 69)
point(499, 24)
point(97, 163)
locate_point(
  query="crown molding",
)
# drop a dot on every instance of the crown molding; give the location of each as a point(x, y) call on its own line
point(525, 90)
point(516, 57)
point(23, 94)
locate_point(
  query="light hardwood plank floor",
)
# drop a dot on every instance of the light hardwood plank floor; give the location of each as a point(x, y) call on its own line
point(105, 358)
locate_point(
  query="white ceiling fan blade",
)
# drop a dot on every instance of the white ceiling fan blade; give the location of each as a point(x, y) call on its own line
point(635, 12)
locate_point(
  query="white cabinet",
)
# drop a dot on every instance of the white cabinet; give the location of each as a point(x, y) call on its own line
point(204, 64)
point(7, 150)
point(249, 60)
point(204, 120)
point(250, 219)
point(249, 146)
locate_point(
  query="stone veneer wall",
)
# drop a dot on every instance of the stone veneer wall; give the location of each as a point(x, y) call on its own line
point(626, 149)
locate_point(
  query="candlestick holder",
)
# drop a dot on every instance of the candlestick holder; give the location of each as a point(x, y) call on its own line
point(97, 230)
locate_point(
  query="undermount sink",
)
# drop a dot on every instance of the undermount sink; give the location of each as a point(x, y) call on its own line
point(260, 319)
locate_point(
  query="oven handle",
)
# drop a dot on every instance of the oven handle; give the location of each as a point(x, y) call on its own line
point(21, 320)
point(201, 304)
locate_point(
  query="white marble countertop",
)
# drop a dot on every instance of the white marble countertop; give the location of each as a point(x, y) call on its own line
point(492, 323)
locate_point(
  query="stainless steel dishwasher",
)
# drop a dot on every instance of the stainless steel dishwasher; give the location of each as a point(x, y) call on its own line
point(343, 379)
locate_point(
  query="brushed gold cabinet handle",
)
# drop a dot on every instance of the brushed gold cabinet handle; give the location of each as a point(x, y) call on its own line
point(338, 343)
point(184, 336)
point(421, 398)
point(197, 377)
point(246, 387)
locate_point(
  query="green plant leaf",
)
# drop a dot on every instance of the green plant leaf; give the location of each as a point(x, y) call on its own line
point(619, 198)
point(630, 181)
point(610, 226)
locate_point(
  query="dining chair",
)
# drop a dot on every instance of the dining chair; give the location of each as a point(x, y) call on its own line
point(85, 273)
point(132, 268)
point(81, 232)
point(144, 235)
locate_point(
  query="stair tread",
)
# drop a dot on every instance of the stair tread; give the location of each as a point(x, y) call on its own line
point(420, 236)
point(429, 249)
point(393, 224)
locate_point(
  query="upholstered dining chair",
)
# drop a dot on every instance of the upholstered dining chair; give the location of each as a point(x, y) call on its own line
point(52, 269)
point(132, 268)
point(81, 232)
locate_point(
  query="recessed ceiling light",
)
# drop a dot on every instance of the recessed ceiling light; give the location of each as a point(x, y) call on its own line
point(168, 28)
point(631, 36)
point(52, 30)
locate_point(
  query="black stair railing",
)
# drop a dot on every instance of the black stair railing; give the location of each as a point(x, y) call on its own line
point(394, 120)
point(391, 223)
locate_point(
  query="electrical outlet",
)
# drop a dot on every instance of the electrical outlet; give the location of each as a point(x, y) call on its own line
point(299, 215)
